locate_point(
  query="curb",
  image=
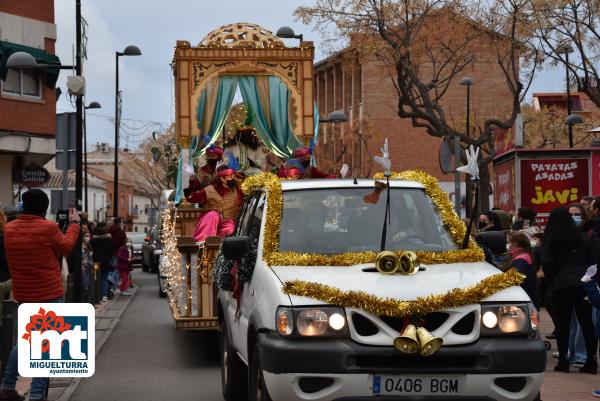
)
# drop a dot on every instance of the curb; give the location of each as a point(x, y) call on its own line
point(72, 387)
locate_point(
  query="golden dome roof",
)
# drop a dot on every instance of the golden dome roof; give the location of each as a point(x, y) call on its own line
point(241, 34)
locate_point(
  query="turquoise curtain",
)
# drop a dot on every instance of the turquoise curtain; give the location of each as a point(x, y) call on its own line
point(276, 134)
point(226, 92)
point(227, 86)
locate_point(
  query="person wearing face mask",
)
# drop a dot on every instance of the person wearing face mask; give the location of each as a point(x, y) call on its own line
point(207, 173)
point(489, 221)
point(581, 217)
point(303, 155)
point(525, 222)
point(221, 202)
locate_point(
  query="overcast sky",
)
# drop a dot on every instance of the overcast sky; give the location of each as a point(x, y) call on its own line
point(155, 26)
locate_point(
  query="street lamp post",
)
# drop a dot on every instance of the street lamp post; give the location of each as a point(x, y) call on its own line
point(570, 121)
point(288, 33)
point(129, 51)
point(335, 117)
point(566, 49)
point(468, 82)
point(92, 105)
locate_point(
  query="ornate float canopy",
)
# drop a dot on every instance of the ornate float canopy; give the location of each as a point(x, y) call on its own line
point(242, 49)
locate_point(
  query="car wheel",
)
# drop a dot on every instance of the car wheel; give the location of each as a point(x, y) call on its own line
point(258, 389)
point(234, 378)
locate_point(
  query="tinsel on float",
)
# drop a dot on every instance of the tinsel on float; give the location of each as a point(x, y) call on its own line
point(398, 308)
point(271, 254)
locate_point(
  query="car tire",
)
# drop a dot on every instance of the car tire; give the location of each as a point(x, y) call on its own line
point(234, 377)
point(257, 388)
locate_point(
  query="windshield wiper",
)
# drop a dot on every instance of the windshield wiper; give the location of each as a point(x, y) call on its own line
point(387, 219)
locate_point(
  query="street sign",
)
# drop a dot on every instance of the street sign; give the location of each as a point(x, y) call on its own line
point(32, 175)
point(445, 156)
point(65, 141)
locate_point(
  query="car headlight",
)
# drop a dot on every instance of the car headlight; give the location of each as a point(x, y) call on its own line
point(319, 321)
point(500, 319)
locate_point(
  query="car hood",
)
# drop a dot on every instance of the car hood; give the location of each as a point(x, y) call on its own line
point(137, 247)
point(433, 280)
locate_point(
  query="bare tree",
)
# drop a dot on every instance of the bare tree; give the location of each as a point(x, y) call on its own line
point(153, 166)
point(424, 57)
point(572, 25)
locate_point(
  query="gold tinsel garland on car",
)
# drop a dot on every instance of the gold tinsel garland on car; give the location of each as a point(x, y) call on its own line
point(397, 308)
point(271, 254)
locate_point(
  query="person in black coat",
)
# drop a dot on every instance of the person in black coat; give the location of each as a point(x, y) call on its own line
point(103, 249)
point(566, 254)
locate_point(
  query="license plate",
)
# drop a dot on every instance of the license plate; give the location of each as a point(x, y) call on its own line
point(417, 385)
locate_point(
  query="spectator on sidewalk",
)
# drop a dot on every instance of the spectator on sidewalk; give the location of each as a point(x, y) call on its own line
point(566, 254)
point(4, 272)
point(521, 259)
point(590, 280)
point(525, 222)
point(489, 221)
point(594, 222)
point(118, 237)
point(103, 250)
point(32, 244)
point(124, 261)
point(87, 261)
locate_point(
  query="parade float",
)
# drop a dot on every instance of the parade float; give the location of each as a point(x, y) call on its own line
point(276, 83)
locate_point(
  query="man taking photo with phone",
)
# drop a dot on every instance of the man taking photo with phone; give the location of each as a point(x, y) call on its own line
point(32, 246)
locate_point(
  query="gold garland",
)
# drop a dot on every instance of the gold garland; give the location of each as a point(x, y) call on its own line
point(397, 308)
point(271, 254)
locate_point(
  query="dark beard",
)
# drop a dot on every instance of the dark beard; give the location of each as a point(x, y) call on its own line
point(212, 163)
point(305, 163)
point(231, 183)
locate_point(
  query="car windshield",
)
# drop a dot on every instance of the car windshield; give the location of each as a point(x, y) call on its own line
point(136, 238)
point(331, 221)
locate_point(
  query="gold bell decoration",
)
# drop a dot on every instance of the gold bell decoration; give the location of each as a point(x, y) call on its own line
point(408, 342)
point(428, 343)
point(389, 263)
point(408, 263)
point(417, 339)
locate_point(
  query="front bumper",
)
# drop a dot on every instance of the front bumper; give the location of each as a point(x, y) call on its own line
point(351, 366)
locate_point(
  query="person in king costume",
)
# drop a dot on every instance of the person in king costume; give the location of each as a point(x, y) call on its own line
point(245, 148)
point(207, 173)
point(221, 202)
point(303, 156)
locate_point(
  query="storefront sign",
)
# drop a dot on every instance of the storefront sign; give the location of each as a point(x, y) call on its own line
point(504, 185)
point(32, 175)
point(506, 140)
point(550, 183)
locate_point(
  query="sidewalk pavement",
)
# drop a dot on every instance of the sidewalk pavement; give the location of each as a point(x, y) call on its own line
point(558, 386)
point(107, 317)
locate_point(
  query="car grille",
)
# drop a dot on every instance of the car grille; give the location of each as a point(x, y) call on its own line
point(455, 326)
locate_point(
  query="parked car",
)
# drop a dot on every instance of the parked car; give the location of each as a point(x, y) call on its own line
point(138, 240)
point(151, 259)
point(162, 278)
point(307, 311)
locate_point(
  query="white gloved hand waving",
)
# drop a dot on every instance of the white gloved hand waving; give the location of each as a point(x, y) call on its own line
point(589, 273)
point(471, 168)
point(385, 160)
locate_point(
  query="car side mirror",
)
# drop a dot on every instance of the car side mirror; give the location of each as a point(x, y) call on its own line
point(235, 247)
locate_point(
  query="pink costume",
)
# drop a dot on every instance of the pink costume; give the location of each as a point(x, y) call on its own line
point(221, 205)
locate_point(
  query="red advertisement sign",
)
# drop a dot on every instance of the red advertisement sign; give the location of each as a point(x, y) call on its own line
point(504, 140)
point(595, 173)
point(504, 185)
point(550, 183)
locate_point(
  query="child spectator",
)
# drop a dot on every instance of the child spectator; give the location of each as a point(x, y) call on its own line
point(124, 260)
point(520, 251)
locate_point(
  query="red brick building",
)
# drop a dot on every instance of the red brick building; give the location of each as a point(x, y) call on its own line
point(27, 98)
point(364, 90)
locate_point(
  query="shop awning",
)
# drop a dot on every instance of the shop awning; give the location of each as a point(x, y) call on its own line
point(42, 56)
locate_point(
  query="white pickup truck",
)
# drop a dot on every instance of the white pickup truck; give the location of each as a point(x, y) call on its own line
point(312, 318)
